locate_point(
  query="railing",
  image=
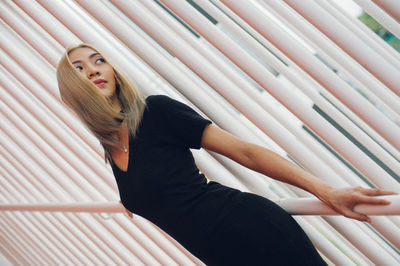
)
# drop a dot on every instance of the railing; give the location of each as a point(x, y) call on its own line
point(295, 206)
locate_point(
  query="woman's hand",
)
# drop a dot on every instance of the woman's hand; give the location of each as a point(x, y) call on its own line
point(343, 200)
point(126, 211)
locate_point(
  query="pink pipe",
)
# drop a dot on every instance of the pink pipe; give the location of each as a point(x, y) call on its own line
point(380, 16)
point(295, 206)
point(392, 7)
point(18, 244)
point(339, 34)
point(317, 70)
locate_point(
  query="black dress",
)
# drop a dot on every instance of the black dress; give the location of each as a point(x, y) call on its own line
point(218, 224)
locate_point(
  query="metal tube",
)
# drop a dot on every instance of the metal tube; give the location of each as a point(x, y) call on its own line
point(362, 78)
point(18, 243)
point(306, 78)
point(263, 77)
point(316, 69)
point(361, 52)
point(322, 103)
point(298, 206)
point(381, 16)
point(391, 7)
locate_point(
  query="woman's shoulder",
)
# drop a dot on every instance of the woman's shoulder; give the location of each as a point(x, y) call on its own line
point(157, 99)
point(160, 103)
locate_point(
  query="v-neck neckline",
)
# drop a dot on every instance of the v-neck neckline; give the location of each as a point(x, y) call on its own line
point(129, 156)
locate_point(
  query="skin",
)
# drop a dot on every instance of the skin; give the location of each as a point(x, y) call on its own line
point(266, 162)
point(252, 156)
point(93, 66)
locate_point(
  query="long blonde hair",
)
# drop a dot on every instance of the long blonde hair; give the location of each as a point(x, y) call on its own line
point(93, 108)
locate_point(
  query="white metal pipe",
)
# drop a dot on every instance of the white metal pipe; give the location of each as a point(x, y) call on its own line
point(20, 242)
point(317, 70)
point(90, 224)
point(215, 171)
point(233, 75)
point(38, 238)
point(363, 32)
point(336, 166)
point(298, 206)
point(42, 93)
point(338, 240)
point(61, 33)
point(333, 112)
point(144, 243)
point(361, 52)
point(367, 31)
point(165, 259)
point(47, 131)
point(20, 254)
point(128, 242)
point(52, 232)
point(232, 94)
point(391, 7)
point(382, 224)
point(362, 78)
point(77, 220)
point(39, 248)
point(381, 16)
point(51, 24)
point(156, 61)
point(78, 237)
point(235, 52)
point(325, 246)
point(36, 235)
point(82, 210)
point(373, 249)
point(311, 82)
point(6, 249)
point(38, 133)
point(25, 31)
point(200, 99)
point(169, 248)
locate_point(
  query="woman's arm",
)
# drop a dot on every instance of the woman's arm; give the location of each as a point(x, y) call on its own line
point(273, 165)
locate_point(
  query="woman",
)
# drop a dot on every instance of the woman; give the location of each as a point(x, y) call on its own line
point(147, 143)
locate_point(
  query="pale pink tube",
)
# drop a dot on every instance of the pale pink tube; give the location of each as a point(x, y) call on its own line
point(392, 7)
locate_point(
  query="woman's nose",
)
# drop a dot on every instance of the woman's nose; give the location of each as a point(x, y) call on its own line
point(92, 71)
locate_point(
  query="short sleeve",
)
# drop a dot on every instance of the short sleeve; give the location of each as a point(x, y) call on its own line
point(186, 124)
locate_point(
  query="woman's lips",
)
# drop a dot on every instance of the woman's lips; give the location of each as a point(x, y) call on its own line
point(99, 82)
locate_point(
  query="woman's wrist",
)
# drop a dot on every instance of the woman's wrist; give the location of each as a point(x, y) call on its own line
point(322, 190)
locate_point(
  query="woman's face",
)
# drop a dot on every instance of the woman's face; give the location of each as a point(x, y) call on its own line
point(92, 66)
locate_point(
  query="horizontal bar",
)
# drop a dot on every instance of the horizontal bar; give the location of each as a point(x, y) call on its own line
point(313, 206)
point(295, 206)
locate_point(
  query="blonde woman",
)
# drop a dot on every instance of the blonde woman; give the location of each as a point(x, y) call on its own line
point(147, 142)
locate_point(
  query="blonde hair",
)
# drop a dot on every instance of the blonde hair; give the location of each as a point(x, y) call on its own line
point(93, 108)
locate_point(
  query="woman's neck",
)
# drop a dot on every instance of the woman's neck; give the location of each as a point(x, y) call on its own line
point(115, 103)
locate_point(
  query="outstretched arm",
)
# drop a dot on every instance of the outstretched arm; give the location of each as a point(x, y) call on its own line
point(273, 165)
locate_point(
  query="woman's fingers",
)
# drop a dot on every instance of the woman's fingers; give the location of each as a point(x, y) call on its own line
point(344, 200)
point(373, 200)
point(376, 192)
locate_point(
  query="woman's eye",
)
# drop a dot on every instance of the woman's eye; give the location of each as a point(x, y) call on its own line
point(78, 67)
point(101, 60)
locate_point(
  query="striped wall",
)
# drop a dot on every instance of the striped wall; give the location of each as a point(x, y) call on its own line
point(303, 78)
